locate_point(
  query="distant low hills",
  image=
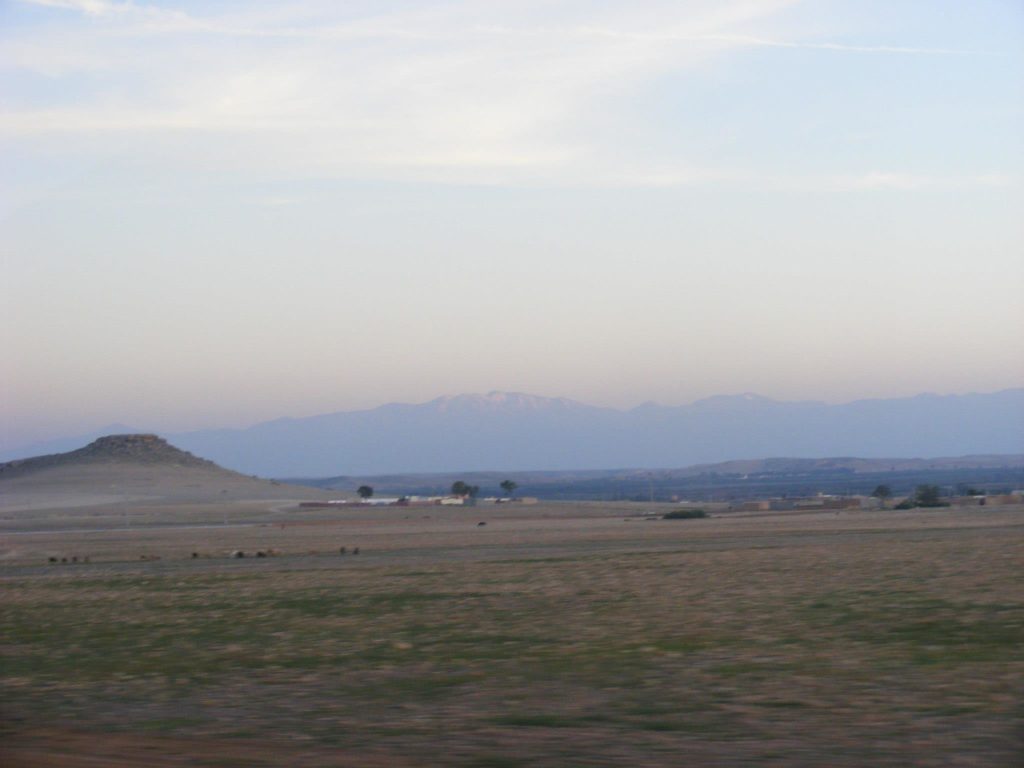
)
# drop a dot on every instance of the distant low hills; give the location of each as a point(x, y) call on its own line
point(724, 481)
point(508, 432)
point(138, 467)
point(852, 465)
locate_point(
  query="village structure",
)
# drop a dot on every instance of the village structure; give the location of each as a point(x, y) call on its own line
point(421, 501)
point(821, 501)
point(835, 502)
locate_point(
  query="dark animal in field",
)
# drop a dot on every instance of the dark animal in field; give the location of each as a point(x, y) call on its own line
point(74, 559)
point(195, 555)
point(63, 559)
point(261, 553)
point(53, 559)
point(342, 551)
point(238, 553)
point(481, 523)
point(355, 550)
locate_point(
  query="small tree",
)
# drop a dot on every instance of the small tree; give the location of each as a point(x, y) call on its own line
point(927, 496)
point(685, 514)
point(882, 493)
point(509, 486)
point(364, 491)
point(459, 488)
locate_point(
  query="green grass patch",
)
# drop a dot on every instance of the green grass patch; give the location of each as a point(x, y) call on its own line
point(496, 761)
point(542, 720)
point(169, 724)
point(929, 630)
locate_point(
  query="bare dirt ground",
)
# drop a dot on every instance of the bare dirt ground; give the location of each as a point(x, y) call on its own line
point(555, 635)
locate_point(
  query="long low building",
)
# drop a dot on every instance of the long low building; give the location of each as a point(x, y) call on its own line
point(419, 501)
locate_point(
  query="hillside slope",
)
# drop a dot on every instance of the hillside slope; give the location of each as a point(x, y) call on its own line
point(112, 449)
point(117, 469)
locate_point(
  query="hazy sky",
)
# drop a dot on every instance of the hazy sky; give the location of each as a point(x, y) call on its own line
point(215, 213)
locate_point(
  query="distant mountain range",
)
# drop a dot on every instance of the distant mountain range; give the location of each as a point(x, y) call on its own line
point(514, 432)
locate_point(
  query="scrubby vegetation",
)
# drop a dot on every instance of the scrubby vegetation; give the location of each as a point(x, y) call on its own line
point(925, 497)
point(928, 496)
point(684, 514)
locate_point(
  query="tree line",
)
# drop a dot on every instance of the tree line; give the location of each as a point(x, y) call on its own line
point(459, 488)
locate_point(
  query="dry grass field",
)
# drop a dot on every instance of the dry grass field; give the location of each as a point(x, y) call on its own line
point(555, 635)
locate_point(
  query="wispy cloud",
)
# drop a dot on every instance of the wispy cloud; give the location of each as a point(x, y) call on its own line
point(152, 17)
point(748, 41)
point(410, 25)
point(516, 93)
point(887, 180)
point(91, 7)
point(435, 92)
point(896, 180)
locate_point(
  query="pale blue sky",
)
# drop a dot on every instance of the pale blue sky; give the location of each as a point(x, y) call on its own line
point(218, 213)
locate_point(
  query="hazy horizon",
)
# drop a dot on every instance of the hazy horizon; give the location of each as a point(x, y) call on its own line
point(10, 443)
point(215, 214)
point(521, 432)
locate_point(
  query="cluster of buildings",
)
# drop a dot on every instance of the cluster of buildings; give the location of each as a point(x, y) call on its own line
point(827, 501)
point(820, 502)
point(995, 500)
point(813, 502)
point(421, 501)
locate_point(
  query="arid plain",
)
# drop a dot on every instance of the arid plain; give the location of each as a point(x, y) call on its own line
point(553, 635)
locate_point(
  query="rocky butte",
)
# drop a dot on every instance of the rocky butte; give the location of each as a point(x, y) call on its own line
point(127, 449)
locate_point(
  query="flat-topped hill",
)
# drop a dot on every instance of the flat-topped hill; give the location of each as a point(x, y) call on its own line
point(130, 468)
point(129, 449)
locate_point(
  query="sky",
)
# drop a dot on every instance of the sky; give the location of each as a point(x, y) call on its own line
point(217, 213)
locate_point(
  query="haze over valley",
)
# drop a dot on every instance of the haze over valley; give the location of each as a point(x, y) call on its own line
point(509, 431)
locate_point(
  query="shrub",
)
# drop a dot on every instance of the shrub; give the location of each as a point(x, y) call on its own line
point(684, 514)
point(928, 496)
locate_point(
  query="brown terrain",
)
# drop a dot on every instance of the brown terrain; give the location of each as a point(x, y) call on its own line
point(553, 635)
point(127, 470)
